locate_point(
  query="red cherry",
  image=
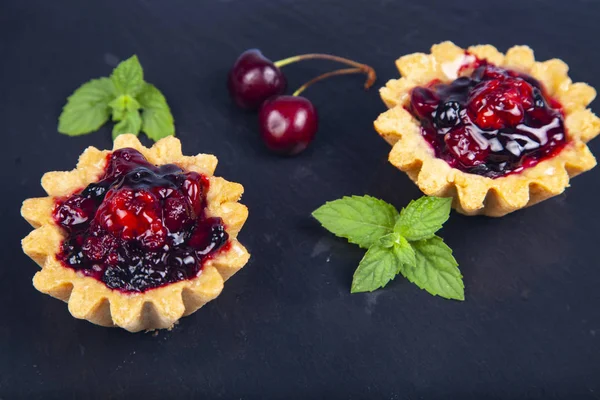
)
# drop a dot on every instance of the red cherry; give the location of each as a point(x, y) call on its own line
point(96, 247)
point(75, 212)
point(494, 104)
point(525, 92)
point(194, 189)
point(288, 124)
point(464, 148)
point(253, 79)
point(128, 213)
point(208, 236)
point(423, 102)
point(154, 236)
point(176, 212)
point(93, 249)
point(122, 161)
point(494, 72)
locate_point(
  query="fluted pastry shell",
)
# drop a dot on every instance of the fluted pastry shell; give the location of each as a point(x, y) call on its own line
point(475, 194)
point(156, 308)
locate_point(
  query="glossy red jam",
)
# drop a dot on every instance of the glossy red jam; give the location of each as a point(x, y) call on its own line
point(490, 122)
point(140, 226)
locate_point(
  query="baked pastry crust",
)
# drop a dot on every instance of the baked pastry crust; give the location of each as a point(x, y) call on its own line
point(474, 194)
point(157, 308)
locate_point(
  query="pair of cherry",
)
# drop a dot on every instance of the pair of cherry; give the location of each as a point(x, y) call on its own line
point(287, 123)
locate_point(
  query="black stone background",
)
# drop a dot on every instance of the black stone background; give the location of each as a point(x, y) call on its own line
point(286, 326)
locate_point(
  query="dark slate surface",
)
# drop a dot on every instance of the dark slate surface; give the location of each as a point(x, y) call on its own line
point(286, 325)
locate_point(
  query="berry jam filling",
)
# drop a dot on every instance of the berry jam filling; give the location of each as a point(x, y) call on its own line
point(492, 122)
point(139, 227)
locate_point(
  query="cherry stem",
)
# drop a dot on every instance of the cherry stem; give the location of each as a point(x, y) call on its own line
point(358, 68)
point(345, 71)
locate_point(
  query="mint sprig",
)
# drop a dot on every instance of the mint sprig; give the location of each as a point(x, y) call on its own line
point(134, 104)
point(398, 243)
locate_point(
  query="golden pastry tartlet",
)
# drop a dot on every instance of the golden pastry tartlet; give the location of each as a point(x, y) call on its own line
point(136, 237)
point(497, 132)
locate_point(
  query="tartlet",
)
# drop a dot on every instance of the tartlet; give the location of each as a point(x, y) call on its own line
point(484, 175)
point(136, 237)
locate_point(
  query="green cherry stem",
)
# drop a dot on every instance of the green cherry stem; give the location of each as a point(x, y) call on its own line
point(358, 68)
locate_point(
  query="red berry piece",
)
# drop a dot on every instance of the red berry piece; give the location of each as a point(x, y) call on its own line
point(464, 147)
point(112, 211)
point(423, 102)
point(122, 161)
point(155, 235)
point(75, 213)
point(176, 213)
point(208, 236)
point(288, 124)
point(494, 104)
point(525, 90)
point(253, 79)
point(493, 72)
point(93, 249)
point(129, 213)
point(193, 187)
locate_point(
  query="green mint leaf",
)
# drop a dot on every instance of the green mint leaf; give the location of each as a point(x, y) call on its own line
point(381, 264)
point(423, 217)
point(376, 269)
point(128, 76)
point(405, 254)
point(131, 123)
point(435, 269)
point(87, 108)
point(157, 120)
point(390, 239)
point(361, 220)
point(118, 114)
point(124, 103)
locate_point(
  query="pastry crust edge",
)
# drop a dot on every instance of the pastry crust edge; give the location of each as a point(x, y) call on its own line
point(157, 308)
